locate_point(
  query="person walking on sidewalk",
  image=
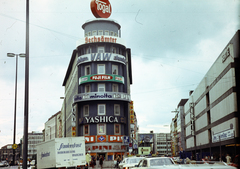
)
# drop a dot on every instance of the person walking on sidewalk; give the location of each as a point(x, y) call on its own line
point(101, 161)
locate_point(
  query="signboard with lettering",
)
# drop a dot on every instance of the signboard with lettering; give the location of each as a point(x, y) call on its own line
point(101, 38)
point(224, 135)
point(101, 8)
point(96, 57)
point(97, 78)
point(111, 138)
point(106, 147)
point(101, 96)
point(101, 119)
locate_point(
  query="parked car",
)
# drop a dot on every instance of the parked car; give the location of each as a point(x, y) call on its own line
point(129, 162)
point(5, 163)
point(166, 162)
point(2, 165)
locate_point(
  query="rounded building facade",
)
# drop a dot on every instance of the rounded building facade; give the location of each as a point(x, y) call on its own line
point(101, 104)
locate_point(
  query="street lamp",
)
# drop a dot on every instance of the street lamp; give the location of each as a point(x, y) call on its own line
point(15, 104)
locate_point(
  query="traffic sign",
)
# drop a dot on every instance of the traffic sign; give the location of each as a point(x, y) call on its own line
point(14, 146)
point(125, 140)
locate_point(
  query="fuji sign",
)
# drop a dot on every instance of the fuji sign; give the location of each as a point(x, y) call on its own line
point(101, 8)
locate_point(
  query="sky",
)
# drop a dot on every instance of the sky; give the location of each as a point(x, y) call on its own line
point(173, 44)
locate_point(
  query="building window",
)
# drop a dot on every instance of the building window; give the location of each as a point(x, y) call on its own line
point(86, 34)
point(86, 130)
point(114, 87)
point(86, 110)
point(89, 33)
point(100, 49)
point(117, 129)
point(87, 70)
point(100, 32)
point(101, 87)
point(87, 88)
point(115, 34)
point(101, 109)
point(101, 129)
point(116, 109)
point(101, 69)
point(88, 50)
point(115, 69)
point(114, 50)
point(111, 33)
point(94, 33)
point(106, 33)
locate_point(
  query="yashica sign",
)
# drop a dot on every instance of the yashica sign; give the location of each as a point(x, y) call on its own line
point(101, 8)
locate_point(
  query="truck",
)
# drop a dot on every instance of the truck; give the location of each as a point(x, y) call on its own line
point(65, 152)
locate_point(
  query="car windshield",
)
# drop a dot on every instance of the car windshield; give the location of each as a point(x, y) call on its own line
point(160, 162)
point(134, 160)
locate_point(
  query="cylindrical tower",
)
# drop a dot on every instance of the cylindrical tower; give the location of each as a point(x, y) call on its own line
point(102, 101)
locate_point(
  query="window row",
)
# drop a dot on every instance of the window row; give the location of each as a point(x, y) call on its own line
point(102, 110)
point(101, 87)
point(101, 49)
point(101, 69)
point(101, 129)
point(101, 32)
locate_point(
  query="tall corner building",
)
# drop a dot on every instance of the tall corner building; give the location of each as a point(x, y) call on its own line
point(97, 99)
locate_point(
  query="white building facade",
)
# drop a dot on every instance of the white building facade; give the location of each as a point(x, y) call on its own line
point(212, 111)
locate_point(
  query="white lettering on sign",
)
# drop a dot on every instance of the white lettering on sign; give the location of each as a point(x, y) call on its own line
point(101, 119)
point(115, 138)
point(102, 6)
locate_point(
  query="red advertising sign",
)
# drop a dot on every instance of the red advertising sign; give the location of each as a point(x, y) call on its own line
point(115, 138)
point(101, 8)
point(90, 139)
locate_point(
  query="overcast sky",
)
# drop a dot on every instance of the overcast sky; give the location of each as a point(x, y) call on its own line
point(173, 44)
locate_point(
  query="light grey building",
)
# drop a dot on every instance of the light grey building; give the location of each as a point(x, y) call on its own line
point(212, 111)
point(163, 144)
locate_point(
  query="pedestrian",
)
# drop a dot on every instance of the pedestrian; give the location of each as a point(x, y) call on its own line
point(150, 154)
point(228, 158)
point(182, 155)
point(101, 161)
point(88, 159)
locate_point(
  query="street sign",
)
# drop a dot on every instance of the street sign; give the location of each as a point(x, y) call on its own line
point(14, 146)
point(130, 144)
point(125, 140)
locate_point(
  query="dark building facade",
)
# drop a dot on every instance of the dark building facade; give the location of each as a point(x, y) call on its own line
point(97, 89)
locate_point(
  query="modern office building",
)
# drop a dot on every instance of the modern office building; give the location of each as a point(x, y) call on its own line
point(97, 101)
point(212, 111)
point(163, 144)
point(33, 139)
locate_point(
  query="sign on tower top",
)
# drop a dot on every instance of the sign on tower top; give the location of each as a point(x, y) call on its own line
point(101, 8)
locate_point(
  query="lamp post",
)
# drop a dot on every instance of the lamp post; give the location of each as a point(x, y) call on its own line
point(15, 104)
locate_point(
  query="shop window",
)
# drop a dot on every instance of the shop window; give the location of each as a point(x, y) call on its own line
point(116, 109)
point(101, 129)
point(106, 33)
point(100, 32)
point(101, 69)
point(117, 129)
point(115, 69)
point(87, 88)
point(86, 130)
point(101, 109)
point(114, 87)
point(86, 110)
point(101, 87)
point(87, 70)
